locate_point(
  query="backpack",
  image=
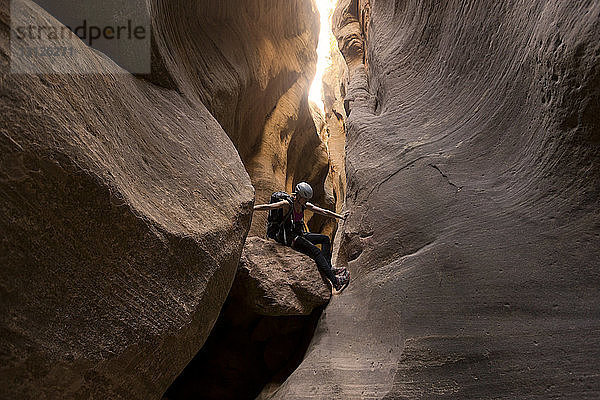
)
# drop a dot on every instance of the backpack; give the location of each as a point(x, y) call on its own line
point(281, 227)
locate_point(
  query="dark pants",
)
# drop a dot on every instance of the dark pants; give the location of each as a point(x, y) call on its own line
point(306, 244)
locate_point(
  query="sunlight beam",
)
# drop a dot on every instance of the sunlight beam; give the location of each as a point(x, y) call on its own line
point(315, 93)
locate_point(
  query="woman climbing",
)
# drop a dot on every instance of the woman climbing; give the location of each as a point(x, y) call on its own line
point(287, 227)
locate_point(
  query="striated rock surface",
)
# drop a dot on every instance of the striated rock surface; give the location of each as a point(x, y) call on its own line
point(335, 82)
point(275, 280)
point(473, 162)
point(123, 212)
point(251, 63)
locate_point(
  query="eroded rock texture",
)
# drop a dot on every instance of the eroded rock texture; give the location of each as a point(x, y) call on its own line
point(124, 210)
point(251, 64)
point(335, 82)
point(474, 240)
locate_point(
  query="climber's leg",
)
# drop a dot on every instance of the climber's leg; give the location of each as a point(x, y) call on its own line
point(306, 247)
point(342, 275)
point(323, 240)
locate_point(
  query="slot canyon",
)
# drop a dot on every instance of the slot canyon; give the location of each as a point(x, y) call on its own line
point(460, 140)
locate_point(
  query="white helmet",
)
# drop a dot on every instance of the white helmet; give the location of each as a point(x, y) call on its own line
point(303, 189)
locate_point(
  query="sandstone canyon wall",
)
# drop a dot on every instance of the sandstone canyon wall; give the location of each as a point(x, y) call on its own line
point(473, 163)
point(251, 64)
point(331, 123)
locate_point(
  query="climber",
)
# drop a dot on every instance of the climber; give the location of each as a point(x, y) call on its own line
point(289, 229)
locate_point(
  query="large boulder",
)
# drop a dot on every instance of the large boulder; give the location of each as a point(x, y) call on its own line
point(473, 165)
point(123, 212)
point(275, 280)
point(263, 330)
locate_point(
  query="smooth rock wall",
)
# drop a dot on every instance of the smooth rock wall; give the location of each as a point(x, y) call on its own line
point(473, 162)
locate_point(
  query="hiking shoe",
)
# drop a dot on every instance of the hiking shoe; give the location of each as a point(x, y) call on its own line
point(341, 282)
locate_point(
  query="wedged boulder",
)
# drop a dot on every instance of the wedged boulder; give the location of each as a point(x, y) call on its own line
point(264, 327)
point(123, 211)
point(275, 280)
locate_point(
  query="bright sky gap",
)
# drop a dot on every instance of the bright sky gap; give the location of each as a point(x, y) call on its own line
point(326, 8)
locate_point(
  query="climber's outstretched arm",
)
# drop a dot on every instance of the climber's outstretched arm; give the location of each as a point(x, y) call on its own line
point(272, 206)
point(322, 211)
